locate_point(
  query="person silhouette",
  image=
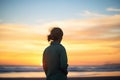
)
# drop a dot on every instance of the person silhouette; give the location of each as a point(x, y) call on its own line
point(55, 57)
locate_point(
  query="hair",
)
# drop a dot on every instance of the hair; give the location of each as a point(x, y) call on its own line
point(55, 34)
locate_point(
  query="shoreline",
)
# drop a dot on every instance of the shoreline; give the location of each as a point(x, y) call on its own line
point(71, 78)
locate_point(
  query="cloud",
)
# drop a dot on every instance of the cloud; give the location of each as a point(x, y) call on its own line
point(98, 37)
point(92, 14)
point(12, 31)
point(86, 30)
point(113, 9)
point(16, 38)
point(93, 28)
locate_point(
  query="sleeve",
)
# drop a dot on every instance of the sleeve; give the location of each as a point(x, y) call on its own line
point(63, 61)
point(44, 62)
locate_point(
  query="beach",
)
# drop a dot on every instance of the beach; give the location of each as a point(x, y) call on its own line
point(71, 76)
point(76, 78)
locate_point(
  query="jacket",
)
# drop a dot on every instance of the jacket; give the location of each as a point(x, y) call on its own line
point(55, 62)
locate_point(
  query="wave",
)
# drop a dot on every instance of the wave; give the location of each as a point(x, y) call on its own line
point(102, 68)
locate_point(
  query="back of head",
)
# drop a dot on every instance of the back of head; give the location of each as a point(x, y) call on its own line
point(55, 34)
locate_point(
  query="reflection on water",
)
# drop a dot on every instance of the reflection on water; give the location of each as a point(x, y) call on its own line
point(71, 74)
point(93, 74)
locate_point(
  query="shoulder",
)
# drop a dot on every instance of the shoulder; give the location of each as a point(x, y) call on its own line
point(62, 48)
point(46, 49)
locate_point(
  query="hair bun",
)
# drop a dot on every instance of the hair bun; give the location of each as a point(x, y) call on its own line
point(49, 37)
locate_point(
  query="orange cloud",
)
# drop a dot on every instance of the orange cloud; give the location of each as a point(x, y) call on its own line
point(88, 41)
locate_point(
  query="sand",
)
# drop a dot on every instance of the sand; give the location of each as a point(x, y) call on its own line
point(78, 78)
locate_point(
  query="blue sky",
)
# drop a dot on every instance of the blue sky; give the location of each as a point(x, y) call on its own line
point(34, 11)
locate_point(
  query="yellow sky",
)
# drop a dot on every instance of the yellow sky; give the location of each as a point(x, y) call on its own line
point(87, 41)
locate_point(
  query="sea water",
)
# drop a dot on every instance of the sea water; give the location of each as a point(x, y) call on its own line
point(74, 71)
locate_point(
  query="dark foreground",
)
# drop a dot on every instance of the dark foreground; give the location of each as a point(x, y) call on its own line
point(79, 78)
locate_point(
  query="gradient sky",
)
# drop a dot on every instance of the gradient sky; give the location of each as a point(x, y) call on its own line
point(91, 30)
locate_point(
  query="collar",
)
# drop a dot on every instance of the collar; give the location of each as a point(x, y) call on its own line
point(55, 43)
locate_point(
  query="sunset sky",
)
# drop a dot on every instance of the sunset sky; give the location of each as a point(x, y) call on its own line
point(91, 30)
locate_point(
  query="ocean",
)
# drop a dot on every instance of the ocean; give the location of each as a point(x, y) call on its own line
point(74, 71)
